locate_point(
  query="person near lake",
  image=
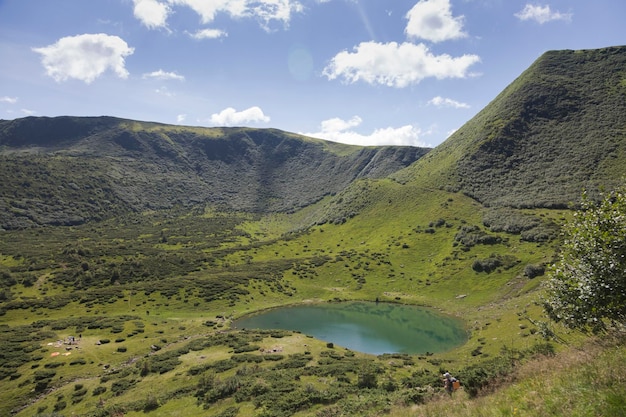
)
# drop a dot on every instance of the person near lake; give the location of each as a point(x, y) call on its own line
point(450, 383)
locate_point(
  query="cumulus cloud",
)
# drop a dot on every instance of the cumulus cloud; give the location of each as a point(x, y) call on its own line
point(152, 13)
point(163, 75)
point(208, 34)
point(232, 117)
point(432, 20)
point(10, 100)
point(85, 57)
point(447, 102)
point(339, 130)
point(181, 118)
point(541, 14)
point(396, 65)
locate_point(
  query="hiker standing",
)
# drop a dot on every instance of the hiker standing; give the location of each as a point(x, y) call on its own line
point(449, 382)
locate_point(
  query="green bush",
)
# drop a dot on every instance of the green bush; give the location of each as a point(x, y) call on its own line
point(532, 270)
point(229, 412)
point(60, 405)
point(100, 389)
point(121, 385)
point(486, 265)
point(469, 236)
point(494, 262)
point(152, 403)
point(367, 379)
point(587, 285)
point(477, 377)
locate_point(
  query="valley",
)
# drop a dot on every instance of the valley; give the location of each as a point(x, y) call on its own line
point(128, 248)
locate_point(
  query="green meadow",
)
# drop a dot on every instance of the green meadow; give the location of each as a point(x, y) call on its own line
point(128, 248)
point(150, 297)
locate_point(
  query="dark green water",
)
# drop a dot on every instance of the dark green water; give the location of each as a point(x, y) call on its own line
point(374, 328)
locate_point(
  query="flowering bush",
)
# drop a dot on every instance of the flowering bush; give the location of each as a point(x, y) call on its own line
point(587, 285)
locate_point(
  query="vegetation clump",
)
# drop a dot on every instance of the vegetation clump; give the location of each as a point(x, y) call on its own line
point(587, 285)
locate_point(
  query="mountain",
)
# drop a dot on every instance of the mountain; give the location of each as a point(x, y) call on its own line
point(69, 170)
point(178, 231)
point(559, 128)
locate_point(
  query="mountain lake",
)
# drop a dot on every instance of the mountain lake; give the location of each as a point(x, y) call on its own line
point(367, 327)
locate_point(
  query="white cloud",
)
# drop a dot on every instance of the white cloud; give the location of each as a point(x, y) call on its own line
point(231, 117)
point(85, 57)
point(163, 75)
point(152, 13)
point(396, 65)
point(181, 118)
point(10, 100)
point(208, 34)
point(339, 130)
point(432, 20)
point(266, 11)
point(447, 102)
point(541, 14)
point(208, 9)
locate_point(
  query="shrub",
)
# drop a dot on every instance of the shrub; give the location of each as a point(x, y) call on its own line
point(60, 405)
point(493, 262)
point(586, 288)
point(532, 271)
point(42, 375)
point(367, 379)
point(151, 403)
point(477, 377)
point(229, 412)
point(486, 265)
point(99, 390)
point(469, 236)
point(118, 387)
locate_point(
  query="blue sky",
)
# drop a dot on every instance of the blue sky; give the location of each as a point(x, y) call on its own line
point(368, 72)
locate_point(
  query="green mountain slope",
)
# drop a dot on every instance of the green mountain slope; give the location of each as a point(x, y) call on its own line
point(558, 128)
point(156, 237)
point(67, 170)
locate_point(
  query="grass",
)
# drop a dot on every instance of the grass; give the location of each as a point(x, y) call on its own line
point(581, 381)
point(168, 312)
point(151, 280)
point(252, 266)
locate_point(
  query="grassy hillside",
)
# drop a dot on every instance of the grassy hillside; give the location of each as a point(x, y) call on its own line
point(150, 295)
point(558, 128)
point(67, 171)
point(177, 231)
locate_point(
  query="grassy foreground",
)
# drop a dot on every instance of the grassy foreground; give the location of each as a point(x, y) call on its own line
point(150, 298)
point(587, 380)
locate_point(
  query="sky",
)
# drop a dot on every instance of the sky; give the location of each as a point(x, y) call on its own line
point(363, 72)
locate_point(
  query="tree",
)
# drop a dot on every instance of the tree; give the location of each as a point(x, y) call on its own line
point(586, 288)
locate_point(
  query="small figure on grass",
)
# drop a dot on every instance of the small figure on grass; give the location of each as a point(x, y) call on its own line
point(450, 383)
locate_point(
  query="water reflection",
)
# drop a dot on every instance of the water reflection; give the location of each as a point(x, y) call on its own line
point(374, 328)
